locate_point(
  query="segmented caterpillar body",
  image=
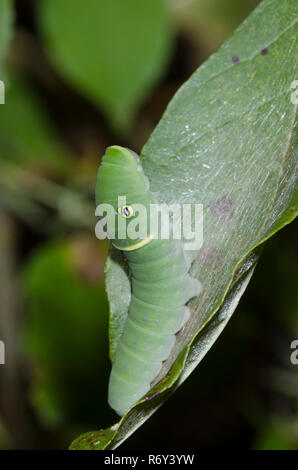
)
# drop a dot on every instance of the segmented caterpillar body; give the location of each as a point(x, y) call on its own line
point(160, 284)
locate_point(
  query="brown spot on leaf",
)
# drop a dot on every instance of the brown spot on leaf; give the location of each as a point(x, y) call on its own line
point(264, 51)
point(210, 256)
point(153, 395)
point(222, 208)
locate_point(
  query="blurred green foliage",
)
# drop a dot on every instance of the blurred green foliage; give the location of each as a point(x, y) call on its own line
point(277, 438)
point(66, 329)
point(6, 18)
point(26, 132)
point(209, 22)
point(113, 51)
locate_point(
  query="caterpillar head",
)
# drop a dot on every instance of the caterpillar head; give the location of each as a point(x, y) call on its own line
point(122, 184)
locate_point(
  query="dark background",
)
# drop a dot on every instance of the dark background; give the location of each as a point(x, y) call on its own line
point(54, 313)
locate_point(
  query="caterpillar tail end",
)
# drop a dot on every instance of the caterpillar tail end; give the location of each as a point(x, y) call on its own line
point(120, 412)
point(123, 395)
point(116, 404)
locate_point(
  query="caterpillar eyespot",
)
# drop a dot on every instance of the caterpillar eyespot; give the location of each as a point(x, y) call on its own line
point(161, 285)
point(126, 211)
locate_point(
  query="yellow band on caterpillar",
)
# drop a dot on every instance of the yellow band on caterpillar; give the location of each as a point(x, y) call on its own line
point(136, 246)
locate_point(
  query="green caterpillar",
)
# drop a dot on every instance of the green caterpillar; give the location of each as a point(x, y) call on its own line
point(160, 283)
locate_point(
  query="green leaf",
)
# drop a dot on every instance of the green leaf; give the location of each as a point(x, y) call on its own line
point(6, 18)
point(112, 51)
point(228, 141)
